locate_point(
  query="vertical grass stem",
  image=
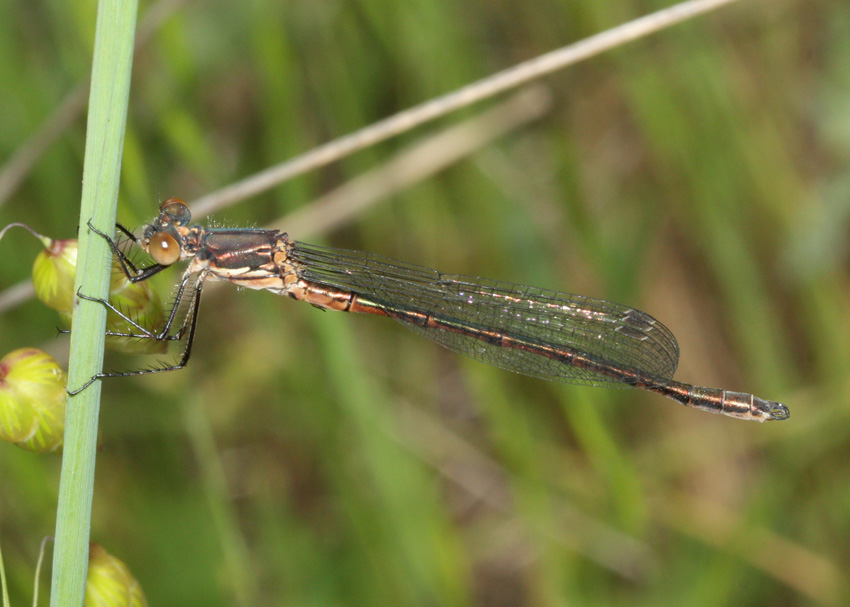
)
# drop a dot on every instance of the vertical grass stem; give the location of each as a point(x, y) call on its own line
point(110, 87)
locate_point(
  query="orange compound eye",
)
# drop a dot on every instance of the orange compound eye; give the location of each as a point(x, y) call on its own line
point(164, 249)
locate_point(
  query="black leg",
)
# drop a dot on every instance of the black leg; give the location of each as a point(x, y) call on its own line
point(132, 273)
point(188, 325)
point(162, 334)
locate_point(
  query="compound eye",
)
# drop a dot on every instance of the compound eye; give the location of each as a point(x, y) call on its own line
point(164, 249)
point(177, 210)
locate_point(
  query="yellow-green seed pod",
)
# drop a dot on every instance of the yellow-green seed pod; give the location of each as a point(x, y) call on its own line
point(32, 400)
point(53, 278)
point(110, 583)
point(53, 274)
point(141, 303)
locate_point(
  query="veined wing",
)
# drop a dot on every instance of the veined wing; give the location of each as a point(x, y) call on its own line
point(606, 332)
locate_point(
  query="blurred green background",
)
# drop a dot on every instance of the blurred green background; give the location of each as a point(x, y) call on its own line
point(309, 458)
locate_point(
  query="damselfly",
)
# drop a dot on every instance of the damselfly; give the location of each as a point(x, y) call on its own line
point(545, 334)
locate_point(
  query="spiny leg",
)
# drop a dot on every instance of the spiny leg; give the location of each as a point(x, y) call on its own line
point(189, 323)
point(132, 273)
point(163, 334)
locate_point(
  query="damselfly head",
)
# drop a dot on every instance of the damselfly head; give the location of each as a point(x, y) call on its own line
point(163, 238)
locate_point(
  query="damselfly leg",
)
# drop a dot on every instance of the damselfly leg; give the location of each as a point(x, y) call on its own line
point(187, 297)
point(132, 273)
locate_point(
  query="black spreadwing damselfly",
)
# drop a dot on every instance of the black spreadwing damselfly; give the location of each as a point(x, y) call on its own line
point(545, 334)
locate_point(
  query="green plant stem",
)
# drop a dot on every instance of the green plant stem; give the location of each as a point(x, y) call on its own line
point(110, 87)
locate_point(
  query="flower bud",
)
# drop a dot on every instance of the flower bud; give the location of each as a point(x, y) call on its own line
point(32, 400)
point(53, 274)
point(110, 583)
point(53, 278)
point(141, 303)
